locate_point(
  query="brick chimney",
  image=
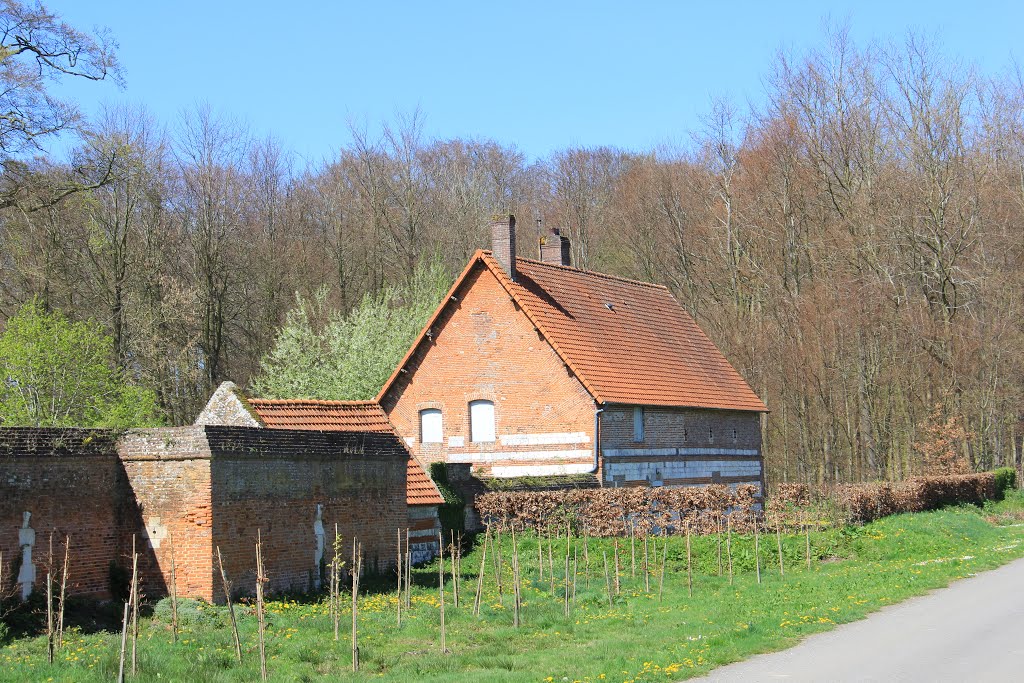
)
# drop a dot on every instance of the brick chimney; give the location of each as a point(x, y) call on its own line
point(503, 242)
point(554, 248)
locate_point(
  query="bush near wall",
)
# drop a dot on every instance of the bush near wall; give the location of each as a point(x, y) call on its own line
point(614, 512)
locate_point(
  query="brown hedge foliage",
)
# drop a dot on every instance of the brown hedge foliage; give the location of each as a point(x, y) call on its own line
point(612, 511)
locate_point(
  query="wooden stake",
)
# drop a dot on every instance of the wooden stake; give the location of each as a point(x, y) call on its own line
point(63, 592)
point(440, 588)
point(174, 589)
point(231, 606)
point(757, 551)
point(50, 636)
point(540, 558)
point(575, 572)
point(728, 545)
point(617, 566)
point(135, 608)
point(632, 550)
point(408, 571)
point(586, 555)
point(357, 572)
point(260, 612)
point(336, 582)
point(478, 598)
point(496, 547)
point(719, 546)
point(551, 565)
point(124, 642)
point(607, 579)
point(807, 538)
point(689, 565)
point(455, 572)
point(567, 585)
point(647, 567)
point(664, 561)
point(398, 569)
point(778, 543)
point(517, 603)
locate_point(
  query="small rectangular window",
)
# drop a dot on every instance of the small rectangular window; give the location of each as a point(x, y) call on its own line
point(431, 428)
point(638, 424)
point(481, 421)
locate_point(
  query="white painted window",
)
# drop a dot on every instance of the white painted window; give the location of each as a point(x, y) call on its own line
point(431, 428)
point(481, 421)
point(638, 423)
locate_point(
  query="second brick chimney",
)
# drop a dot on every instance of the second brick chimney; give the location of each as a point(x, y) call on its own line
point(503, 242)
point(554, 248)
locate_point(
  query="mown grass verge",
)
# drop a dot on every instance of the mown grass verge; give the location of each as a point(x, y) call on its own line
point(855, 570)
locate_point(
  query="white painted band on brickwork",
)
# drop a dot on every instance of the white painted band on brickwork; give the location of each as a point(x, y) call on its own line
point(519, 455)
point(456, 441)
point(648, 452)
point(544, 439)
point(538, 470)
point(656, 469)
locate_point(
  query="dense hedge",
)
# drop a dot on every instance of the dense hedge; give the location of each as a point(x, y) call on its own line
point(616, 511)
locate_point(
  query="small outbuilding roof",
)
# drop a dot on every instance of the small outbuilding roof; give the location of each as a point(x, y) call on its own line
point(344, 416)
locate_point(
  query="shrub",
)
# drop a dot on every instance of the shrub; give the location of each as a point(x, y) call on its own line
point(453, 513)
point(1006, 479)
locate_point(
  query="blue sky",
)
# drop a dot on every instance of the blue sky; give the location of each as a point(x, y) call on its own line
point(538, 75)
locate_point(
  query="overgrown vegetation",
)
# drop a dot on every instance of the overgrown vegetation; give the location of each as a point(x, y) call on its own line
point(58, 373)
point(639, 637)
point(320, 353)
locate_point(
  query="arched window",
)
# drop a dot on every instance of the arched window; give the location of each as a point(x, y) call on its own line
point(481, 421)
point(431, 428)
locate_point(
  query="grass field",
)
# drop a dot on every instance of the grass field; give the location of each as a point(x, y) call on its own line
point(856, 570)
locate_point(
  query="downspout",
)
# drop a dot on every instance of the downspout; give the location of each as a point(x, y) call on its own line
point(597, 441)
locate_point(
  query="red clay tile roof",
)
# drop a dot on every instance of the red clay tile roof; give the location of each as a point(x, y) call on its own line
point(628, 342)
point(344, 416)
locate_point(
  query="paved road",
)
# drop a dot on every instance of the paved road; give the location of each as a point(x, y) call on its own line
point(971, 631)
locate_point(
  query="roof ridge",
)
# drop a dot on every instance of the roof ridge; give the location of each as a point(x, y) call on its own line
point(581, 271)
point(315, 401)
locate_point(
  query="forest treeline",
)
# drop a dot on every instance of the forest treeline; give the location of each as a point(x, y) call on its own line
point(853, 244)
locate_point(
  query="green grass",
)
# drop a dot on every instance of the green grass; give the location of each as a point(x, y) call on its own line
point(856, 570)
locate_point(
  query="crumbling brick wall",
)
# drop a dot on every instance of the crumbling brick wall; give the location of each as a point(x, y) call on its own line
point(71, 482)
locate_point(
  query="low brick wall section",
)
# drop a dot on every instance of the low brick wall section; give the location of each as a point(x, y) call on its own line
point(73, 486)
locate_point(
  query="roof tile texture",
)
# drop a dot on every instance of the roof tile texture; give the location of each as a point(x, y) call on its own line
point(344, 416)
point(628, 342)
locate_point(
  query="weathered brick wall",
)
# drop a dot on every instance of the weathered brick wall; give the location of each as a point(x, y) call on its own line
point(680, 446)
point(271, 481)
point(169, 473)
point(72, 483)
point(485, 348)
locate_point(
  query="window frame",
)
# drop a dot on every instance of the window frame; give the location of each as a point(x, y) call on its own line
point(474, 424)
point(440, 425)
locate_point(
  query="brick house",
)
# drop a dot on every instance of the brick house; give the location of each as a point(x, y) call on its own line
point(229, 406)
point(533, 368)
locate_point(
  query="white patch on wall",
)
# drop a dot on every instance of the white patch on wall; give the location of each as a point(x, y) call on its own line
point(456, 441)
point(538, 470)
point(410, 440)
point(549, 439)
point(685, 469)
point(155, 532)
point(320, 535)
point(581, 454)
point(27, 572)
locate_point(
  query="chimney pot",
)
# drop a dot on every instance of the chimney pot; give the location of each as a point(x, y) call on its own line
point(503, 242)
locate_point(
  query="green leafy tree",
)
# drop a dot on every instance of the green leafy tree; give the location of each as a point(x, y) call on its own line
point(59, 373)
point(321, 354)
